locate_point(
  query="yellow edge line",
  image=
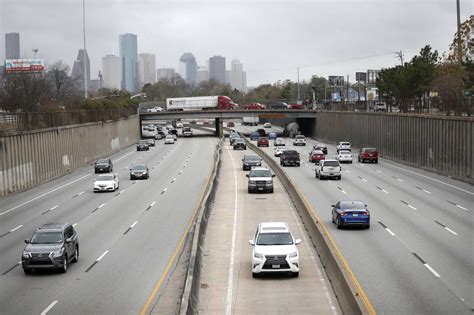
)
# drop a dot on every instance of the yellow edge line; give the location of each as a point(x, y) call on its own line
point(144, 309)
point(356, 283)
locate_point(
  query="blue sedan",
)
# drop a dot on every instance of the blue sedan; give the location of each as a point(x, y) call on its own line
point(352, 212)
point(254, 136)
point(272, 136)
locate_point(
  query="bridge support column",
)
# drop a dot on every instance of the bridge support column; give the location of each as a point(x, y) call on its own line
point(219, 131)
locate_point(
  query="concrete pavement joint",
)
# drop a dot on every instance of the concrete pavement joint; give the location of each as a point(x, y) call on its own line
point(10, 269)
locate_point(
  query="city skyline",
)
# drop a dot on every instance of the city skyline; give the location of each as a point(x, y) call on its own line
point(271, 51)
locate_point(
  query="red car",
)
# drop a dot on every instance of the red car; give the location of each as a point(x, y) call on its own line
point(316, 155)
point(262, 142)
point(368, 154)
point(254, 106)
point(296, 106)
point(230, 124)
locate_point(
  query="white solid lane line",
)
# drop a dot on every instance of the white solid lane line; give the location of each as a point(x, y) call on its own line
point(230, 280)
point(433, 179)
point(45, 194)
point(461, 207)
point(102, 256)
point(18, 227)
point(50, 306)
point(432, 270)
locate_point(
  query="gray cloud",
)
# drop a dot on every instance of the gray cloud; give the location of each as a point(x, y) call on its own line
point(271, 38)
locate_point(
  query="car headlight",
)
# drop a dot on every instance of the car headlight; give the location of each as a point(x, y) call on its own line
point(57, 253)
point(252, 182)
point(246, 164)
point(26, 254)
point(293, 255)
point(258, 255)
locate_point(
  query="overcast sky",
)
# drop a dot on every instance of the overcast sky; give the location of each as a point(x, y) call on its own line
point(270, 38)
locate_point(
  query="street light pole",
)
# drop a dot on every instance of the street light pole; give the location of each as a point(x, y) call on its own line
point(459, 32)
point(85, 53)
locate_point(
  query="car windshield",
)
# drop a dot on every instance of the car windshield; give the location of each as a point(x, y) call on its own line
point(169, 137)
point(260, 173)
point(251, 158)
point(239, 140)
point(331, 163)
point(291, 152)
point(102, 162)
point(47, 238)
point(352, 205)
point(370, 150)
point(344, 152)
point(138, 167)
point(299, 137)
point(274, 239)
point(263, 139)
point(106, 177)
point(142, 142)
point(345, 143)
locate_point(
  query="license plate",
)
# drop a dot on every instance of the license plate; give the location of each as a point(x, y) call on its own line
point(260, 188)
point(355, 215)
point(331, 174)
point(276, 266)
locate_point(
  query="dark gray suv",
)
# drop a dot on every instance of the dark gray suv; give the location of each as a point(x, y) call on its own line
point(52, 246)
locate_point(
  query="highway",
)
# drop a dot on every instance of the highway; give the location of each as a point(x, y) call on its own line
point(417, 257)
point(126, 238)
point(227, 286)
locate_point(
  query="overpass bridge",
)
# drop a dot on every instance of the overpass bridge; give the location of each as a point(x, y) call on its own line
point(305, 118)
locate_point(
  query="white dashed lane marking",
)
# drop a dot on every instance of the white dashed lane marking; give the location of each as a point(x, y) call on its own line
point(50, 306)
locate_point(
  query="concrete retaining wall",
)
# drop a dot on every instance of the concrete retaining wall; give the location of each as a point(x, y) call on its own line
point(34, 157)
point(440, 144)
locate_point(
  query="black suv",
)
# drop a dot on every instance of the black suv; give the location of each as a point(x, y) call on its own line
point(142, 145)
point(250, 160)
point(290, 157)
point(103, 166)
point(52, 246)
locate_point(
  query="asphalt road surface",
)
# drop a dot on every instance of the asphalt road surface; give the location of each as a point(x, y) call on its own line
point(126, 237)
point(417, 257)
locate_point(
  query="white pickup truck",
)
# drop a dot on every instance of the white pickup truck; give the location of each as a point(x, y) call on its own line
point(155, 109)
point(344, 145)
point(328, 168)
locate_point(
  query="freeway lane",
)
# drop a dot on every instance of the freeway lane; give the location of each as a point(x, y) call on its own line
point(124, 245)
point(227, 286)
point(419, 258)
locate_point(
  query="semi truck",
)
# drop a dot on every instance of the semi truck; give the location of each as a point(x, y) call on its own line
point(250, 121)
point(200, 103)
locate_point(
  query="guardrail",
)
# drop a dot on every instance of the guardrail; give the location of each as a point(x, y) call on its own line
point(190, 299)
point(352, 298)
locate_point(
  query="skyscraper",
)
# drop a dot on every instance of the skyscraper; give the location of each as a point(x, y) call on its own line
point(202, 74)
point(165, 73)
point(217, 69)
point(78, 69)
point(188, 68)
point(129, 55)
point(12, 46)
point(146, 69)
point(237, 76)
point(112, 72)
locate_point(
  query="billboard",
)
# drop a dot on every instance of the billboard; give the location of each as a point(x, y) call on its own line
point(372, 76)
point(336, 80)
point(361, 77)
point(23, 65)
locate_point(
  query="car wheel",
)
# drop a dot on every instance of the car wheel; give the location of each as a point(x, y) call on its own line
point(332, 219)
point(338, 223)
point(95, 171)
point(295, 274)
point(271, 191)
point(64, 268)
point(298, 164)
point(131, 178)
point(367, 226)
point(376, 161)
point(76, 255)
point(249, 191)
point(316, 174)
point(27, 271)
point(255, 275)
point(320, 177)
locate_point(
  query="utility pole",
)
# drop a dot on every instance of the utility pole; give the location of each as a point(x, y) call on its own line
point(400, 55)
point(85, 54)
point(298, 75)
point(459, 46)
point(35, 51)
point(347, 89)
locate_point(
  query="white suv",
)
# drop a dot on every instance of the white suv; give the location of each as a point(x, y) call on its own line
point(328, 168)
point(299, 140)
point(343, 146)
point(274, 249)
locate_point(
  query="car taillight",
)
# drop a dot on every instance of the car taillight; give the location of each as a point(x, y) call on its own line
point(366, 213)
point(343, 213)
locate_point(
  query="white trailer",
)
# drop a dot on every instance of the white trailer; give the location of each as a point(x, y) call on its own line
point(250, 121)
point(199, 103)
